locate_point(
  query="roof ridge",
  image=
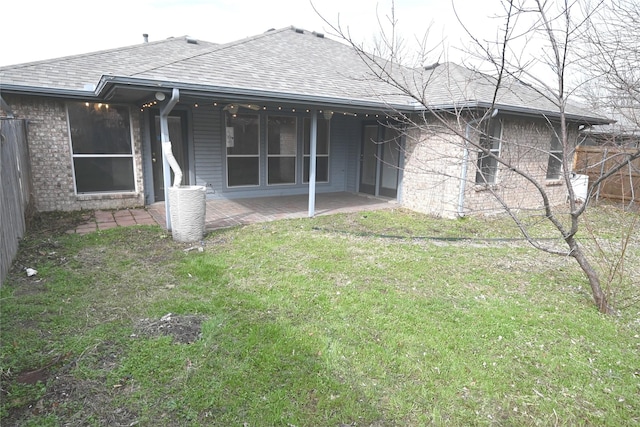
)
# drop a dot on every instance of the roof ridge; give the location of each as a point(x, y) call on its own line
point(89, 54)
point(219, 47)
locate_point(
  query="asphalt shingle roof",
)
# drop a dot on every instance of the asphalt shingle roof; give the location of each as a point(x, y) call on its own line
point(75, 72)
point(290, 63)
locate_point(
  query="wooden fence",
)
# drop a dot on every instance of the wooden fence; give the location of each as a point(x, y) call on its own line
point(624, 185)
point(15, 189)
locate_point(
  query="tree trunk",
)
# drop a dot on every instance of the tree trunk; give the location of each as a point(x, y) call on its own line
point(599, 296)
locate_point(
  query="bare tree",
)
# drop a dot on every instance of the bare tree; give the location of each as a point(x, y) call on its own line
point(612, 60)
point(539, 44)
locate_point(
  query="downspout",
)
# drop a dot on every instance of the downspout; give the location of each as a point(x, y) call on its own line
point(465, 163)
point(313, 143)
point(167, 154)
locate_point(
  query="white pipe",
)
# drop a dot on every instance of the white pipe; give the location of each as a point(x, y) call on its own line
point(168, 161)
point(465, 163)
point(173, 163)
point(312, 163)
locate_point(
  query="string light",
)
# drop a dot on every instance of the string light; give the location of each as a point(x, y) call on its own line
point(145, 105)
point(154, 102)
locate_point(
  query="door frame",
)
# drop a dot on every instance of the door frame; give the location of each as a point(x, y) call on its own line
point(157, 193)
point(377, 189)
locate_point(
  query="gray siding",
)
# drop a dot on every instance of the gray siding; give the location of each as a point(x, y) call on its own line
point(209, 157)
point(207, 149)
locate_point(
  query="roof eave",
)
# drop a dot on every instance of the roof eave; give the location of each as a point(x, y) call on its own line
point(533, 112)
point(107, 85)
point(47, 91)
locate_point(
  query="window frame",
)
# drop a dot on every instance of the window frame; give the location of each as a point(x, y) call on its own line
point(488, 135)
point(555, 155)
point(129, 155)
point(293, 156)
point(257, 156)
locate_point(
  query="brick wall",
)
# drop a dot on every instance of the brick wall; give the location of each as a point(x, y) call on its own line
point(525, 144)
point(433, 166)
point(51, 158)
point(431, 178)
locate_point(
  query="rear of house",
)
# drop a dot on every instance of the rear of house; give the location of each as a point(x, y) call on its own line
point(251, 124)
point(88, 155)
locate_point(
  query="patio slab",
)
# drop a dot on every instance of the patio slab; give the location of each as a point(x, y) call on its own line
point(223, 213)
point(104, 220)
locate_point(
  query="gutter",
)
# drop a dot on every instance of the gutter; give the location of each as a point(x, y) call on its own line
point(465, 163)
point(258, 95)
point(105, 86)
point(521, 111)
point(252, 94)
point(168, 161)
point(45, 91)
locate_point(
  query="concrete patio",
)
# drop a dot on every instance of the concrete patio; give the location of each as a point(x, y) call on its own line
point(231, 212)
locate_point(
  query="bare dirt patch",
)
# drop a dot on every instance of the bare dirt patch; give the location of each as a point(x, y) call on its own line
point(77, 401)
point(184, 329)
point(82, 401)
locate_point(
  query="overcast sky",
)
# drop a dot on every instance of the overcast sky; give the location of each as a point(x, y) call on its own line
point(41, 29)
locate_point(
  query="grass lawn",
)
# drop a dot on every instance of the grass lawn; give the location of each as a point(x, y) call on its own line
point(385, 318)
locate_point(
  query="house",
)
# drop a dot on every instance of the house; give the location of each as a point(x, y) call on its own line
point(625, 132)
point(243, 118)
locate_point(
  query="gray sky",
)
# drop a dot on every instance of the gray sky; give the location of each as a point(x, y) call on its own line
point(41, 29)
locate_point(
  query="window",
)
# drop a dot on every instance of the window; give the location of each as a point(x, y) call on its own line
point(554, 167)
point(282, 142)
point(243, 150)
point(101, 145)
point(322, 149)
point(487, 169)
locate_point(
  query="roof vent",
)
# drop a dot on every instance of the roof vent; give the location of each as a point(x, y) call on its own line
point(299, 30)
point(431, 67)
point(191, 40)
point(319, 35)
point(145, 36)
